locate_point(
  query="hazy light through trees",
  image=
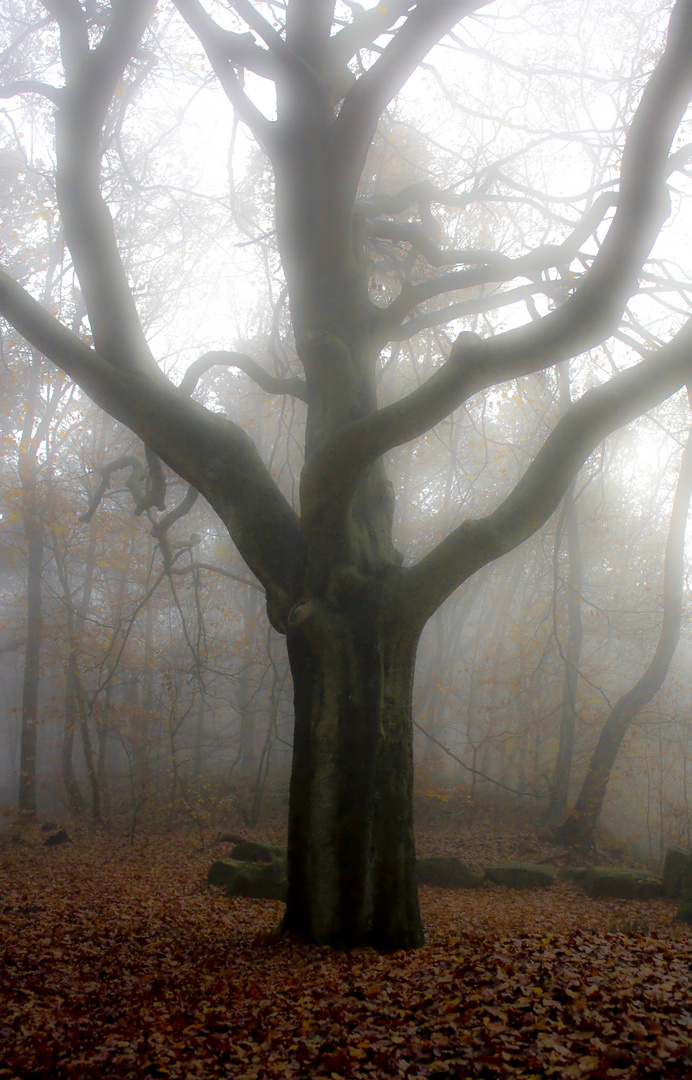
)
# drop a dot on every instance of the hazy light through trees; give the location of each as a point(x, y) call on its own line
point(485, 206)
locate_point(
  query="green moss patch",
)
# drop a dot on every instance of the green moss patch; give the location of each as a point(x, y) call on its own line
point(521, 875)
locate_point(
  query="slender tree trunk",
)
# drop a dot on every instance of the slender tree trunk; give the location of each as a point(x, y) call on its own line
point(76, 711)
point(74, 795)
point(92, 770)
point(578, 828)
point(200, 714)
point(247, 703)
point(107, 683)
point(350, 847)
point(34, 534)
point(559, 787)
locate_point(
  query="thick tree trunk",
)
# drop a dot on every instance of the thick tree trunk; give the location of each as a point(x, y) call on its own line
point(351, 850)
point(579, 826)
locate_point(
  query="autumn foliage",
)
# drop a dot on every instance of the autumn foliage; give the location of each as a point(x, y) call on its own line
point(119, 961)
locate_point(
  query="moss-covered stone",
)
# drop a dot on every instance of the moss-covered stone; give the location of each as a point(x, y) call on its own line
point(447, 872)
point(576, 874)
point(521, 875)
point(621, 882)
point(674, 863)
point(255, 852)
point(263, 881)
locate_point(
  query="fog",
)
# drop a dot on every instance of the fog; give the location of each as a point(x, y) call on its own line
point(485, 200)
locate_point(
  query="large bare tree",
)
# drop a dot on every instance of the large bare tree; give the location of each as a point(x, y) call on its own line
point(335, 585)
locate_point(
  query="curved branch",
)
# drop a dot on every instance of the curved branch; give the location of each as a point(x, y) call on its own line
point(528, 265)
point(579, 825)
point(462, 309)
point(30, 86)
point(217, 570)
point(367, 27)
point(585, 319)
point(271, 384)
point(292, 64)
point(537, 495)
point(134, 483)
point(224, 52)
point(147, 485)
point(159, 529)
point(214, 455)
point(361, 109)
point(92, 77)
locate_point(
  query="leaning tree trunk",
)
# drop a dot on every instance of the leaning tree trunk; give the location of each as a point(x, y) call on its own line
point(351, 847)
point(579, 826)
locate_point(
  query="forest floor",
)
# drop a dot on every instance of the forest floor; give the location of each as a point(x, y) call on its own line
point(118, 960)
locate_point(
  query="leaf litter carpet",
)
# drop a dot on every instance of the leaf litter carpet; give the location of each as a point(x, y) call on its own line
point(119, 961)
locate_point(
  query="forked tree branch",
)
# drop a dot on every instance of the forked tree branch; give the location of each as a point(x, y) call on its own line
point(366, 27)
point(30, 86)
point(287, 60)
point(363, 105)
point(226, 52)
point(585, 319)
point(271, 384)
point(528, 265)
point(537, 495)
point(134, 484)
point(214, 455)
point(147, 487)
point(92, 76)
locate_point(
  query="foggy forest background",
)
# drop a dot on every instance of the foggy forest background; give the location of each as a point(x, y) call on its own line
point(164, 693)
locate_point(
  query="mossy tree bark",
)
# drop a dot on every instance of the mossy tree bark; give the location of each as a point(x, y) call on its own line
point(335, 585)
point(351, 850)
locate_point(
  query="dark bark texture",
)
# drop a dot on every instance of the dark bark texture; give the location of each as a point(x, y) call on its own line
point(351, 853)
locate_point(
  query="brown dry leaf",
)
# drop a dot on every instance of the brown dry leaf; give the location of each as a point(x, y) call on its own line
point(120, 962)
